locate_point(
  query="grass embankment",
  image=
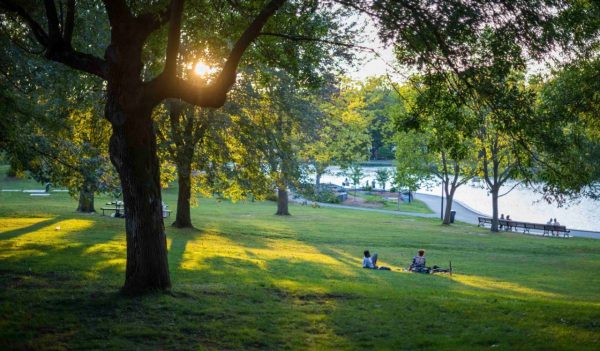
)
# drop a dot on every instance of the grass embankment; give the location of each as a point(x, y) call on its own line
point(379, 201)
point(246, 279)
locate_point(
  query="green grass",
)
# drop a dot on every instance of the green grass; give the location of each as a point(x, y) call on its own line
point(246, 279)
point(414, 206)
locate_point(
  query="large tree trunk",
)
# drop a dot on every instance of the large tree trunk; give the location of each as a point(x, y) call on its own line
point(86, 199)
point(282, 201)
point(495, 192)
point(183, 218)
point(133, 152)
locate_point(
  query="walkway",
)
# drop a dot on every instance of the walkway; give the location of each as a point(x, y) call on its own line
point(415, 214)
point(463, 213)
point(469, 215)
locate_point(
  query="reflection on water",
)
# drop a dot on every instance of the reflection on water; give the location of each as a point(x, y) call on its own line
point(521, 204)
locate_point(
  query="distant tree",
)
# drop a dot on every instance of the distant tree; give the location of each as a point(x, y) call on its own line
point(435, 139)
point(381, 103)
point(356, 174)
point(42, 133)
point(339, 135)
point(566, 132)
point(180, 128)
point(382, 176)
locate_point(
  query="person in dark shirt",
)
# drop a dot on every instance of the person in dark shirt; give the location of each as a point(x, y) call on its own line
point(418, 263)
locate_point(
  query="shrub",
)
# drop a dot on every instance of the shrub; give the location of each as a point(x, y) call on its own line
point(326, 196)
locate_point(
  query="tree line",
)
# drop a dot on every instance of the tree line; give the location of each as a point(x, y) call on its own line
point(85, 82)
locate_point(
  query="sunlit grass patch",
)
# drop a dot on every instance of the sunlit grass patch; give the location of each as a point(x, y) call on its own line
point(34, 241)
point(245, 279)
point(501, 286)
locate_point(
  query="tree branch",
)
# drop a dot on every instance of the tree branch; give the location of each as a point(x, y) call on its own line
point(37, 30)
point(174, 37)
point(319, 40)
point(69, 22)
point(56, 48)
point(511, 189)
point(117, 11)
point(213, 95)
point(52, 17)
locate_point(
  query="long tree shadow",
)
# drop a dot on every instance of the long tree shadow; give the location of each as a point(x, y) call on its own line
point(6, 235)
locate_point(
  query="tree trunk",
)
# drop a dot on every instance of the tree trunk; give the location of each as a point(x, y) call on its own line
point(448, 208)
point(86, 199)
point(183, 218)
point(317, 182)
point(133, 152)
point(495, 209)
point(282, 201)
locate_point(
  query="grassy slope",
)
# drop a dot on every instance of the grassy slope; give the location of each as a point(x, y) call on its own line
point(246, 279)
point(414, 206)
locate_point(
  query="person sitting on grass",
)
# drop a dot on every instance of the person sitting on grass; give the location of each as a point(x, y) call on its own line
point(370, 262)
point(418, 263)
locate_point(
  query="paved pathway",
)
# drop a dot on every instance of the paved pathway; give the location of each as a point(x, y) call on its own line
point(469, 215)
point(463, 213)
point(415, 214)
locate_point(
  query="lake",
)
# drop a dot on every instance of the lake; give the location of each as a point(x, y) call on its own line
point(522, 204)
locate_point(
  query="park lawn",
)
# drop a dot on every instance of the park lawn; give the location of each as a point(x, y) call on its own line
point(415, 205)
point(246, 279)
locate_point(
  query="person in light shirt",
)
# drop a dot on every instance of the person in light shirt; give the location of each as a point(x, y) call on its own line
point(370, 261)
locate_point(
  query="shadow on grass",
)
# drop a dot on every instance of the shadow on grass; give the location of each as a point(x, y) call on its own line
point(37, 225)
point(246, 291)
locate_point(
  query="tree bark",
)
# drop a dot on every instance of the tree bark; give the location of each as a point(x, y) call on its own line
point(86, 199)
point(495, 191)
point(317, 182)
point(183, 218)
point(448, 209)
point(133, 152)
point(282, 201)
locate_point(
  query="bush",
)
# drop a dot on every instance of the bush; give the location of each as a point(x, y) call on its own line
point(271, 196)
point(326, 196)
point(393, 189)
point(308, 192)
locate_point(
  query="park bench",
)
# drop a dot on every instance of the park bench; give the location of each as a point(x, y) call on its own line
point(547, 229)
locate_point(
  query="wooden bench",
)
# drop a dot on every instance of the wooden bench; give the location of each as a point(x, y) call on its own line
point(547, 229)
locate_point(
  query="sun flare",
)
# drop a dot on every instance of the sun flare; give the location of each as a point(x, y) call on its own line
point(202, 69)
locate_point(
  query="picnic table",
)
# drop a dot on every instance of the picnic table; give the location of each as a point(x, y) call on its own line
point(510, 225)
point(117, 207)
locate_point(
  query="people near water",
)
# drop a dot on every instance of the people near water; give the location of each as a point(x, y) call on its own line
point(418, 263)
point(555, 223)
point(550, 222)
point(501, 218)
point(370, 261)
point(508, 226)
